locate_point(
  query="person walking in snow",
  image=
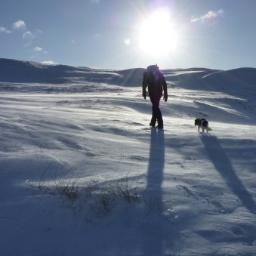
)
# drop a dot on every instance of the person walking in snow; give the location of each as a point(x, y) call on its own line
point(154, 80)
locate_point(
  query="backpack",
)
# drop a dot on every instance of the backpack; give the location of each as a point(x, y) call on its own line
point(153, 74)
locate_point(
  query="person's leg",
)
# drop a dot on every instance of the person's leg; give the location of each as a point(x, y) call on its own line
point(153, 118)
point(156, 113)
point(159, 118)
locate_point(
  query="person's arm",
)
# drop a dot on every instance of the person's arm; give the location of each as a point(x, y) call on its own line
point(164, 84)
point(144, 86)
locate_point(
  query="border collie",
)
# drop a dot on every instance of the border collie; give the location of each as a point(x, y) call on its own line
point(202, 124)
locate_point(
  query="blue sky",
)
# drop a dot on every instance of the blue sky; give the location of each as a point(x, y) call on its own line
point(102, 33)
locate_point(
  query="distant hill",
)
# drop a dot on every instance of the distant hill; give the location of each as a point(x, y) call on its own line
point(193, 78)
point(32, 72)
point(237, 77)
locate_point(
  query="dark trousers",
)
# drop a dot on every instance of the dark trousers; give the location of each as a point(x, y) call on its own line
point(156, 113)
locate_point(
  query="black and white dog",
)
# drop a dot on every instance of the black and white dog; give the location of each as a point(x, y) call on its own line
point(202, 124)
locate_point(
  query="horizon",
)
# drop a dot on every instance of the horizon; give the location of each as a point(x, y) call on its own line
point(128, 68)
point(113, 35)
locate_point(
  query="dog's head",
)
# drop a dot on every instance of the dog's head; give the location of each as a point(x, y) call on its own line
point(197, 121)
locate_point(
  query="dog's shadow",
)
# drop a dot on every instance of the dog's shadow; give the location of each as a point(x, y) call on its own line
point(224, 166)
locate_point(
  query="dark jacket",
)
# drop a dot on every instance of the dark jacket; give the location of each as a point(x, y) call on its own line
point(156, 84)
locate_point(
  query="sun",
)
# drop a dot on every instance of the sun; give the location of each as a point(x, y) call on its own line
point(157, 35)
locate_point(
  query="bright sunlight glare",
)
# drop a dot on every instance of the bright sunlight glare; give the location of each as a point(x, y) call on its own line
point(157, 36)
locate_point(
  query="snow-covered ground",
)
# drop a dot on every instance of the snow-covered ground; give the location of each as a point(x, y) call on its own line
point(81, 173)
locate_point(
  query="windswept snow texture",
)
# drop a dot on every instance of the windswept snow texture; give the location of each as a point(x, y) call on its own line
point(68, 148)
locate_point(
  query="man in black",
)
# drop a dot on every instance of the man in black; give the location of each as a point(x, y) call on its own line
point(154, 80)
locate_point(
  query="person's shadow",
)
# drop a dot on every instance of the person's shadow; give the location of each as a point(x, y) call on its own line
point(153, 233)
point(223, 165)
point(156, 166)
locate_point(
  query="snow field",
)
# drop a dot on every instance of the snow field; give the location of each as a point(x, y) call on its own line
point(195, 192)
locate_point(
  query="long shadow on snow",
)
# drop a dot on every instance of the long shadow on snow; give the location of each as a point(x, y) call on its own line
point(161, 234)
point(223, 165)
point(153, 239)
point(145, 228)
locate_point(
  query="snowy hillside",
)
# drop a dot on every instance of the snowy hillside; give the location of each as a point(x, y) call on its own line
point(83, 174)
point(192, 78)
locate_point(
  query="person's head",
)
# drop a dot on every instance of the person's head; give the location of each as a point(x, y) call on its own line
point(153, 73)
point(152, 68)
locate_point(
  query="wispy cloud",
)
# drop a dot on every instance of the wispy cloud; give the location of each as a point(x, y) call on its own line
point(38, 49)
point(210, 15)
point(28, 35)
point(4, 30)
point(19, 25)
point(49, 62)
